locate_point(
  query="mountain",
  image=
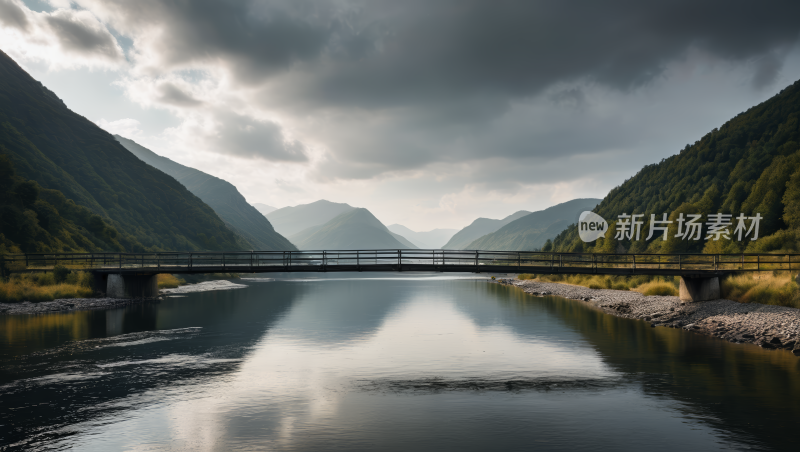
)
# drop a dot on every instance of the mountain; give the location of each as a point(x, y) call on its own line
point(63, 151)
point(530, 232)
point(750, 165)
point(355, 229)
point(431, 240)
point(479, 228)
point(263, 208)
point(221, 196)
point(289, 221)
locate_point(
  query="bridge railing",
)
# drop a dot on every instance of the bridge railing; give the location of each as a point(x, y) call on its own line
point(524, 261)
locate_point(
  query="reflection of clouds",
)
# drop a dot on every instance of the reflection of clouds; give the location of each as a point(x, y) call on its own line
point(289, 385)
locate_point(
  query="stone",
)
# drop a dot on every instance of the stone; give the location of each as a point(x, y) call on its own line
point(748, 336)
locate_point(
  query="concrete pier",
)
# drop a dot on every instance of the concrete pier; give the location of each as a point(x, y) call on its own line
point(699, 289)
point(132, 286)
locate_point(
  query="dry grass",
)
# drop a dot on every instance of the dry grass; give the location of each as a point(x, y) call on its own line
point(167, 281)
point(777, 288)
point(648, 285)
point(657, 287)
point(43, 287)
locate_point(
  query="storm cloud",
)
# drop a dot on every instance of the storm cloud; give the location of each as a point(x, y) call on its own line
point(471, 96)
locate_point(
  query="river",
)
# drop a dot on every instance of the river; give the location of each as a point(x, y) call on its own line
point(383, 362)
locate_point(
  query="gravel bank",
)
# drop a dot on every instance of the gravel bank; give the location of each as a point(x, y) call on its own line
point(67, 304)
point(773, 327)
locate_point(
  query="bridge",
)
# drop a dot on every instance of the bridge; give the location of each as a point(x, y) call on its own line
point(133, 274)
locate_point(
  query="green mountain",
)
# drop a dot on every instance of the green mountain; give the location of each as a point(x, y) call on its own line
point(477, 229)
point(37, 220)
point(430, 240)
point(220, 195)
point(750, 165)
point(531, 232)
point(263, 208)
point(289, 221)
point(355, 229)
point(63, 151)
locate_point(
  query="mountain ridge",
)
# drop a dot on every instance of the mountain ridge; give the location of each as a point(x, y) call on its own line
point(60, 150)
point(220, 195)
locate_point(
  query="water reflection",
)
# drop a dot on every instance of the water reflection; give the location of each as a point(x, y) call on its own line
point(393, 363)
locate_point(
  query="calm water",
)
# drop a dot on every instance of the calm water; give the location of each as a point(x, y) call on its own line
point(383, 363)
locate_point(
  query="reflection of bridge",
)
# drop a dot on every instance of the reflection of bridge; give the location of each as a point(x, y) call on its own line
point(132, 274)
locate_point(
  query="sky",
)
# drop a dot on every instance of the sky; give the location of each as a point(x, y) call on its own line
point(428, 113)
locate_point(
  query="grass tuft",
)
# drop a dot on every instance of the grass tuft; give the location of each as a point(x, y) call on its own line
point(776, 288)
point(657, 287)
point(167, 281)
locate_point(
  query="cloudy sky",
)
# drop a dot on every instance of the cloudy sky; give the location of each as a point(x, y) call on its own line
point(429, 113)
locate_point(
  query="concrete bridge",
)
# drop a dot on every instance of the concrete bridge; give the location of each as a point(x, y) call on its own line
point(125, 275)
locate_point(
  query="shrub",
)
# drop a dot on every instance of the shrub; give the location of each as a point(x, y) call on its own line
point(60, 273)
point(524, 276)
point(167, 281)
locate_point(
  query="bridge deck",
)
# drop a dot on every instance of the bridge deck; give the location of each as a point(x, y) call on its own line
point(404, 260)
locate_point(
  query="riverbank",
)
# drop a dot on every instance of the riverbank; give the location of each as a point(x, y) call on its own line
point(769, 326)
point(81, 304)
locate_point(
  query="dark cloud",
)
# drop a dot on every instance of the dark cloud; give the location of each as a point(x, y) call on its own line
point(12, 15)
point(384, 53)
point(171, 94)
point(246, 137)
point(767, 69)
point(83, 36)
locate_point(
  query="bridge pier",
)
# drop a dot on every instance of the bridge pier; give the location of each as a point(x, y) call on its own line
point(132, 286)
point(699, 289)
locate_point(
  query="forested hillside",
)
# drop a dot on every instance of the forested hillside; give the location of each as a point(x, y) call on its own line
point(221, 196)
point(532, 231)
point(61, 150)
point(37, 220)
point(750, 165)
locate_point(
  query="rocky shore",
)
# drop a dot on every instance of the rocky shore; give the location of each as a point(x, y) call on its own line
point(771, 327)
point(68, 304)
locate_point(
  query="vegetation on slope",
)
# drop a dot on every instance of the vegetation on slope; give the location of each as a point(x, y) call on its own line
point(749, 165)
point(221, 196)
point(63, 151)
point(37, 220)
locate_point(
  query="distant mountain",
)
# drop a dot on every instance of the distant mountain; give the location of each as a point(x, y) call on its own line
point(530, 232)
point(431, 240)
point(63, 151)
point(354, 229)
point(223, 197)
point(480, 227)
point(263, 208)
point(289, 221)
